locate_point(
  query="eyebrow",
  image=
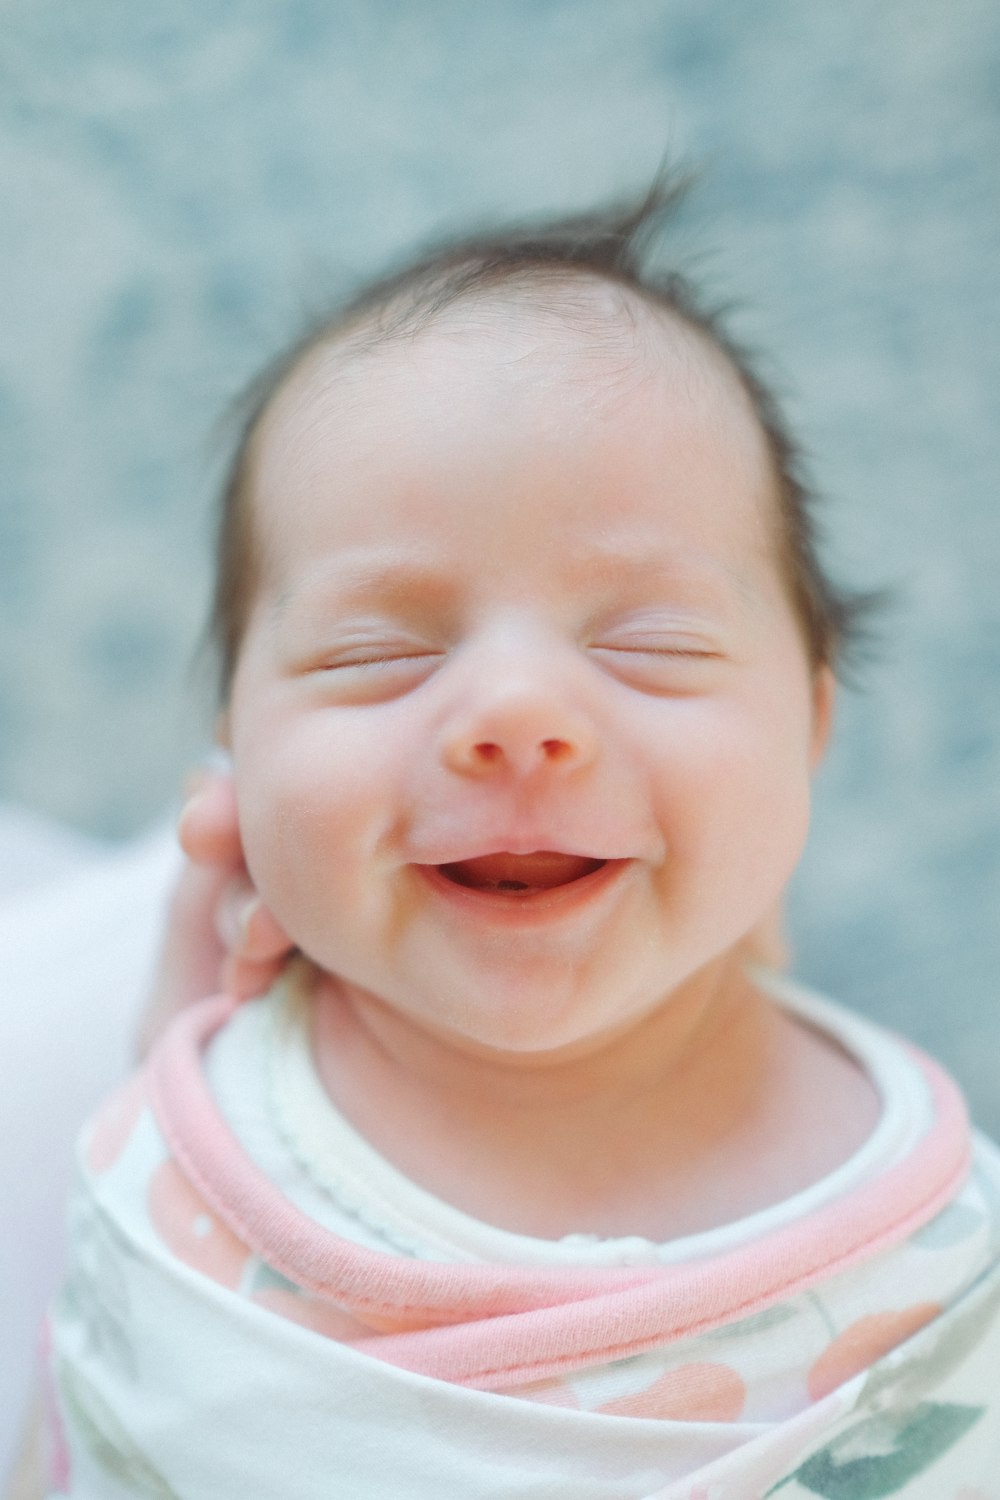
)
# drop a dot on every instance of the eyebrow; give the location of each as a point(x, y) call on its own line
point(600, 561)
point(694, 575)
point(372, 572)
point(354, 578)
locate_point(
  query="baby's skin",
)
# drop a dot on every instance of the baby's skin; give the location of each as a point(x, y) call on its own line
point(523, 727)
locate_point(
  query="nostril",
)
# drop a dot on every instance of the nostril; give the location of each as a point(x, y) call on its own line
point(556, 749)
point(519, 755)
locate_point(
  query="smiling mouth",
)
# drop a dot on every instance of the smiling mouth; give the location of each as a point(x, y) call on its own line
point(521, 874)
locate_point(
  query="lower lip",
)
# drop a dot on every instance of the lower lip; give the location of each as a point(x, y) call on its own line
point(525, 907)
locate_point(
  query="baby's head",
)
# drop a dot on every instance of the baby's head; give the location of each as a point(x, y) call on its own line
point(526, 647)
point(562, 272)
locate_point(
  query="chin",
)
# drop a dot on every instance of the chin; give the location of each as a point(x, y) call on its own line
point(524, 1031)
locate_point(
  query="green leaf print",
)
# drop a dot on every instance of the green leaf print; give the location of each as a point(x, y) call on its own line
point(900, 1446)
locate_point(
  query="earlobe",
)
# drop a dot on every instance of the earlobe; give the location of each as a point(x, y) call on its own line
point(824, 701)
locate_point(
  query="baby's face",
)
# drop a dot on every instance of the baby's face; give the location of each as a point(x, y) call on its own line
point(523, 722)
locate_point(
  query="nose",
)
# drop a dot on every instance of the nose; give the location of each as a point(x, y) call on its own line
point(518, 727)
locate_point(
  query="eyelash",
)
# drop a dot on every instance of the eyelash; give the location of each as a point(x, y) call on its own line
point(373, 659)
point(373, 675)
point(667, 652)
point(385, 659)
point(380, 661)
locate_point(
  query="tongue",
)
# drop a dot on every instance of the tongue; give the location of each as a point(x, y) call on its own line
point(521, 872)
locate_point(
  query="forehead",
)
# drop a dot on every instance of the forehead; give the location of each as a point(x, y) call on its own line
point(585, 393)
point(583, 327)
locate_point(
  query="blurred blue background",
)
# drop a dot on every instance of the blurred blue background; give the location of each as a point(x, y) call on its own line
point(181, 183)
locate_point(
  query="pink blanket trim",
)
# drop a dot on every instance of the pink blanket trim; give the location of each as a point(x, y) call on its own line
point(492, 1326)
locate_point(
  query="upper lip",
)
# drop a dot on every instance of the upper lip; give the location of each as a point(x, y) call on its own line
point(455, 854)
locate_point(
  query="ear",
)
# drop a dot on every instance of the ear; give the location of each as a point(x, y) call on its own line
point(824, 700)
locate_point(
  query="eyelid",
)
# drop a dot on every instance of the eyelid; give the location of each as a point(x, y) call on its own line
point(359, 661)
point(658, 627)
point(356, 675)
point(659, 655)
point(359, 643)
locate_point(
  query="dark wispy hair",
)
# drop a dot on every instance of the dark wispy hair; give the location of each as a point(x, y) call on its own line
point(614, 245)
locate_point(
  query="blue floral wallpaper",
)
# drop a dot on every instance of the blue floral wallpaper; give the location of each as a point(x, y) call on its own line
point(181, 183)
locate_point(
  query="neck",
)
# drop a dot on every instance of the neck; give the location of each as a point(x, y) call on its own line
point(656, 1131)
point(714, 1016)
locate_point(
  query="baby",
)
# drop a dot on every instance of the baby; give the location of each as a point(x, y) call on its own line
point(523, 1180)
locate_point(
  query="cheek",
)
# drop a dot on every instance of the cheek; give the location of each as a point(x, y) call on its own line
point(314, 795)
point(734, 786)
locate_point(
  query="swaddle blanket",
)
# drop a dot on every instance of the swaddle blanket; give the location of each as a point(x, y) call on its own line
point(215, 1340)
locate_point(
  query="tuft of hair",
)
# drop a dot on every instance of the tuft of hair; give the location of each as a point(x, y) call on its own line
point(614, 244)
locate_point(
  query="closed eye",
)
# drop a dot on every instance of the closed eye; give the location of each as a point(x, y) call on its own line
point(375, 659)
point(660, 667)
point(695, 653)
point(371, 674)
